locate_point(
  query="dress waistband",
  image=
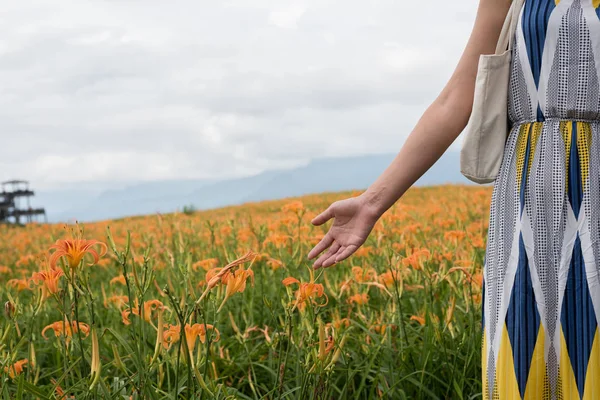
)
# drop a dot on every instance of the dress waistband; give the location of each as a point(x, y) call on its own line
point(591, 121)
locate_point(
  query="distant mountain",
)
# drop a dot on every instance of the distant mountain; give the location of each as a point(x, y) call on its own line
point(320, 175)
point(339, 174)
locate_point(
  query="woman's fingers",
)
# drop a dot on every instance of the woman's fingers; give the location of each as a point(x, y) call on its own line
point(345, 253)
point(331, 252)
point(323, 217)
point(332, 259)
point(322, 245)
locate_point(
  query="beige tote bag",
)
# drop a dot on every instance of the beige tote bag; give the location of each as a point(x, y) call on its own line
point(487, 129)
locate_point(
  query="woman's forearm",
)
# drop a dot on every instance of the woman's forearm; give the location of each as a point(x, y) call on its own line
point(444, 119)
point(439, 126)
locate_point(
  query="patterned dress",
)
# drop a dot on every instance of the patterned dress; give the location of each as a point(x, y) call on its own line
point(541, 288)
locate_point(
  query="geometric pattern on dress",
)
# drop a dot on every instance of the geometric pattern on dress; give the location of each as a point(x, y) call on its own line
point(541, 287)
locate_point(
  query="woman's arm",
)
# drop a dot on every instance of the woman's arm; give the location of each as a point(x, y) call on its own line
point(445, 118)
point(439, 126)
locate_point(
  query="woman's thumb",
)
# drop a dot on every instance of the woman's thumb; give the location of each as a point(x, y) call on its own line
point(323, 217)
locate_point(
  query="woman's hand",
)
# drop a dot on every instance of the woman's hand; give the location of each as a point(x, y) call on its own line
point(440, 125)
point(354, 219)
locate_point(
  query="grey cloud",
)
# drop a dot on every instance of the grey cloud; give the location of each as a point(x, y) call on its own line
point(141, 90)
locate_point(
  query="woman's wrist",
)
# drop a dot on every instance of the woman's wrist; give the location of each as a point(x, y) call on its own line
point(374, 202)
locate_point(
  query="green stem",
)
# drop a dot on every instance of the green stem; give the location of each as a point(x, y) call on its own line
point(83, 360)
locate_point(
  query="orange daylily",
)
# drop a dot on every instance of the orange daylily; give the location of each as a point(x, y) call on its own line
point(364, 251)
point(117, 300)
point(74, 249)
point(236, 282)
point(478, 279)
point(454, 235)
point(306, 291)
point(199, 331)
point(278, 239)
point(16, 368)
point(363, 274)
point(60, 393)
point(391, 278)
point(359, 298)
point(416, 259)
point(49, 279)
point(274, 263)
point(24, 260)
point(216, 275)
point(125, 316)
point(205, 264)
point(150, 307)
point(172, 334)
point(63, 328)
point(337, 322)
point(264, 331)
point(290, 280)
point(381, 328)
point(19, 284)
point(118, 279)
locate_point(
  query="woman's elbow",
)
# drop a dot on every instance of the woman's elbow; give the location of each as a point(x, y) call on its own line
point(455, 104)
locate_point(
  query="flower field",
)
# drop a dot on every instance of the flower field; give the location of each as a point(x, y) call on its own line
point(224, 304)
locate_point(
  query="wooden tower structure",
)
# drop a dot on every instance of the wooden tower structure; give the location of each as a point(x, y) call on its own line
point(12, 210)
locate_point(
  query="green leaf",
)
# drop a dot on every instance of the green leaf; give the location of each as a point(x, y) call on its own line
point(29, 388)
point(134, 356)
point(20, 387)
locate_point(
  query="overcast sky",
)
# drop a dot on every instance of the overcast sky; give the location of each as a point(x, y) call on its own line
point(127, 90)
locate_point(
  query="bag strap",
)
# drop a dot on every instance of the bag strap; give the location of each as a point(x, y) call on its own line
point(509, 27)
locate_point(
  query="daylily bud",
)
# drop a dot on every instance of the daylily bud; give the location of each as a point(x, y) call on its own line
point(96, 366)
point(9, 309)
point(322, 353)
point(117, 358)
point(159, 336)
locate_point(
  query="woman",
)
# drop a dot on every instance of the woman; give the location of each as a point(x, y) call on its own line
point(541, 284)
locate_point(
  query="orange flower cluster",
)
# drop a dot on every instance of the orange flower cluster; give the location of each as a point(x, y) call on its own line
point(359, 298)
point(279, 240)
point(454, 236)
point(206, 265)
point(362, 275)
point(364, 251)
point(416, 259)
point(295, 207)
point(401, 249)
point(391, 278)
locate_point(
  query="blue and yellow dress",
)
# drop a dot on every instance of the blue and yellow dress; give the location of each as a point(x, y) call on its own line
point(541, 290)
